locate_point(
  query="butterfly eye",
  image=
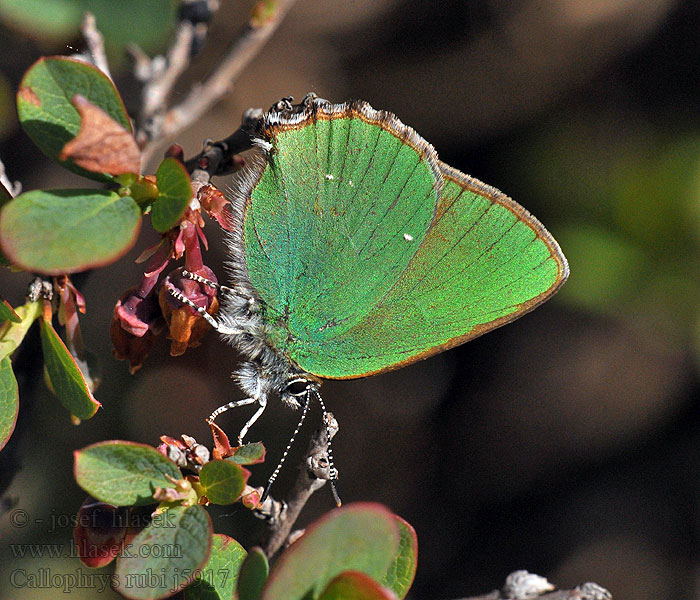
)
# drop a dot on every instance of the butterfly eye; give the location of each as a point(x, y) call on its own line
point(297, 387)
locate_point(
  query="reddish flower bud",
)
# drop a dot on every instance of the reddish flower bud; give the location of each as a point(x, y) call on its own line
point(187, 326)
point(136, 323)
point(216, 206)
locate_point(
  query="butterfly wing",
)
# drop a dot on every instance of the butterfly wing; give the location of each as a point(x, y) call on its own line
point(484, 262)
point(325, 216)
point(367, 253)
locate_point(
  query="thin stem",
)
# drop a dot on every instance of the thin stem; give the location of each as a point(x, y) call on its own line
point(95, 43)
point(204, 95)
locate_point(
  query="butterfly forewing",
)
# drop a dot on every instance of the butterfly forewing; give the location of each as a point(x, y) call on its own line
point(324, 229)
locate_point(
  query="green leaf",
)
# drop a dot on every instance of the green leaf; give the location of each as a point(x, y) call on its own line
point(174, 194)
point(253, 575)
point(250, 454)
point(146, 24)
point(361, 537)
point(12, 334)
point(223, 481)
point(66, 378)
point(9, 401)
point(45, 110)
point(219, 576)
point(63, 231)
point(123, 473)
point(353, 585)
point(164, 557)
point(7, 313)
point(400, 574)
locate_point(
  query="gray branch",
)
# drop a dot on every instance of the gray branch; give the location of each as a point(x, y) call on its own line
point(313, 475)
point(522, 585)
point(158, 122)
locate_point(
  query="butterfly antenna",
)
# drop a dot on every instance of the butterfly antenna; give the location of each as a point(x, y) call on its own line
point(276, 472)
point(332, 471)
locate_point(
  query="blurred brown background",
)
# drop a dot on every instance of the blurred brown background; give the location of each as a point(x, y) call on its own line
point(566, 443)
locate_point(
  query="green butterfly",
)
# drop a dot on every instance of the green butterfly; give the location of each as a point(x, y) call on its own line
point(356, 251)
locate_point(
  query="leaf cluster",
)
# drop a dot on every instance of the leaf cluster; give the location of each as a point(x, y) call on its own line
point(358, 552)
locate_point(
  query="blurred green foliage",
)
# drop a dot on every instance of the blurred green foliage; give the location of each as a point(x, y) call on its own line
point(627, 193)
point(147, 24)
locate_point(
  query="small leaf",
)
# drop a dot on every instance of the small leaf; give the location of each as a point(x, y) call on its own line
point(174, 194)
point(219, 576)
point(12, 334)
point(400, 574)
point(223, 482)
point(250, 454)
point(102, 145)
point(163, 558)
point(45, 110)
point(353, 585)
point(9, 401)
point(66, 378)
point(64, 231)
point(360, 537)
point(123, 473)
point(7, 313)
point(253, 575)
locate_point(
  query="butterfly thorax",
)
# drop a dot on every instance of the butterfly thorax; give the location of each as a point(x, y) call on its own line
point(267, 371)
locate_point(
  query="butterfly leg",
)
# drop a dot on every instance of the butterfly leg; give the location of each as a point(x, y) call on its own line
point(262, 401)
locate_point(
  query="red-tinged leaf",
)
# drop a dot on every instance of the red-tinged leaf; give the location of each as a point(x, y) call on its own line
point(64, 231)
point(400, 574)
point(66, 378)
point(166, 555)
point(174, 194)
point(222, 447)
point(12, 334)
point(99, 532)
point(45, 110)
point(7, 313)
point(9, 401)
point(219, 576)
point(123, 473)
point(360, 537)
point(353, 585)
point(223, 482)
point(102, 145)
point(253, 575)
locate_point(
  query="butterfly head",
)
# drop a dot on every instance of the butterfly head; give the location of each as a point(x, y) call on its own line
point(297, 389)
